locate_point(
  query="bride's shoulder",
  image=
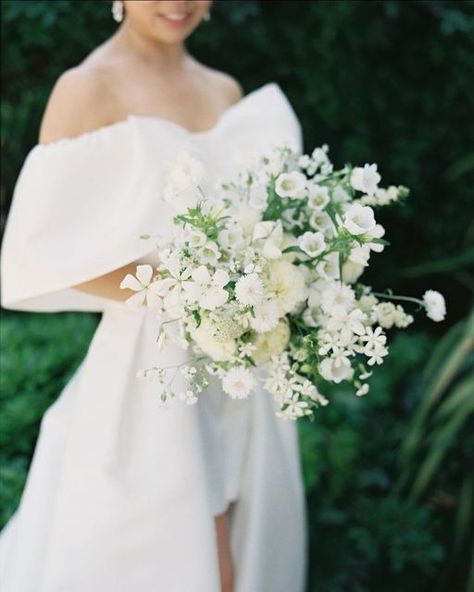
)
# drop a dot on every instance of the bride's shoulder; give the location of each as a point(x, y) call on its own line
point(228, 86)
point(80, 101)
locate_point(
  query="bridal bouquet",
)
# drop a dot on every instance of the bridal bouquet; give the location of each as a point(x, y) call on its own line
point(261, 279)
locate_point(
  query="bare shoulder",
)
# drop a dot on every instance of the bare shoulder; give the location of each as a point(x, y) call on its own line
point(228, 86)
point(79, 102)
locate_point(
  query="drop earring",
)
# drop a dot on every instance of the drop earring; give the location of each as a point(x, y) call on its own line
point(207, 16)
point(117, 11)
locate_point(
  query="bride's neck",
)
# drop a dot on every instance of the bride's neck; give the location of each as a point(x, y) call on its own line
point(167, 55)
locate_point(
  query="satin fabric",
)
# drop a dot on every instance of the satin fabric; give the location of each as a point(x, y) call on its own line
point(121, 492)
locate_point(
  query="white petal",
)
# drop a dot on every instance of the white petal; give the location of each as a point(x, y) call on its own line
point(144, 274)
point(131, 282)
point(220, 278)
point(137, 300)
point(201, 275)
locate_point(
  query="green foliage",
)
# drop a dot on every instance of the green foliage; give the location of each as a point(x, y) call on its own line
point(38, 355)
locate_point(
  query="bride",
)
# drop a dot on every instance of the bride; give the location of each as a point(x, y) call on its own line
point(123, 494)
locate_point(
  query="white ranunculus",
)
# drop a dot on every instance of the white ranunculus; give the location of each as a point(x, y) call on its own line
point(272, 342)
point(218, 349)
point(365, 178)
point(435, 305)
point(285, 284)
point(312, 243)
point(249, 290)
point(328, 268)
point(267, 314)
point(207, 290)
point(359, 219)
point(318, 196)
point(238, 382)
point(292, 185)
point(336, 370)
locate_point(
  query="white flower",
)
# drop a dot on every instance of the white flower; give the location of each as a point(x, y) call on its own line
point(141, 283)
point(351, 271)
point(266, 316)
point(336, 299)
point(374, 339)
point(206, 289)
point(321, 221)
point(435, 305)
point(249, 290)
point(312, 243)
point(184, 175)
point(318, 196)
point(292, 185)
point(230, 238)
point(272, 342)
point(328, 268)
point(196, 238)
point(238, 382)
point(217, 349)
point(336, 370)
point(363, 390)
point(377, 232)
point(339, 195)
point(270, 235)
point(385, 313)
point(188, 397)
point(359, 219)
point(258, 197)
point(285, 284)
point(209, 254)
point(365, 178)
point(245, 218)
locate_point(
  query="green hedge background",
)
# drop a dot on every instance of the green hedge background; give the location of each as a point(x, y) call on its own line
point(389, 476)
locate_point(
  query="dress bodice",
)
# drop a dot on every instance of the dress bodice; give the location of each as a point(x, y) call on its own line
point(81, 204)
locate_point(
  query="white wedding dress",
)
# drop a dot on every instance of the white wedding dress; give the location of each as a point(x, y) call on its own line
point(121, 492)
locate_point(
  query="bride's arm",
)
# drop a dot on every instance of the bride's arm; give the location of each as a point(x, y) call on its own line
point(107, 286)
point(80, 102)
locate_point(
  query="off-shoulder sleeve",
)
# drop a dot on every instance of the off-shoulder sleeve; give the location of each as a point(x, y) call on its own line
point(78, 210)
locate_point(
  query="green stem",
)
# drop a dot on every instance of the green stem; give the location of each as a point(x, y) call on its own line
point(405, 298)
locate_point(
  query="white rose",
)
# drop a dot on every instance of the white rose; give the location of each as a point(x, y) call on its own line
point(285, 284)
point(272, 342)
point(217, 349)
